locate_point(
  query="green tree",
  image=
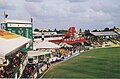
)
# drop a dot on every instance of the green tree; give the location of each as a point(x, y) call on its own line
point(36, 30)
point(107, 29)
point(80, 30)
point(49, 30)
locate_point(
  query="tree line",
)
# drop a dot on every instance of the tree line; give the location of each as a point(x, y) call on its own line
point(80, 30)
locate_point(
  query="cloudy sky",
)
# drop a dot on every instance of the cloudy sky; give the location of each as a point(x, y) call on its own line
point(61, 14)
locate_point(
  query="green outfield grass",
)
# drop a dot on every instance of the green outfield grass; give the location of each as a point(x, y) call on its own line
point(96, 63)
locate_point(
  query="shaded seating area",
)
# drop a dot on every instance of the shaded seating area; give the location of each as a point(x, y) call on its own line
point(104, 39)
point(13, 66)
point(12, 57)
point(29, 71)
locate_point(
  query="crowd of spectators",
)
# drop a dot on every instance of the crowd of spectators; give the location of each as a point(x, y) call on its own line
point(29, 71)
point(14, 64)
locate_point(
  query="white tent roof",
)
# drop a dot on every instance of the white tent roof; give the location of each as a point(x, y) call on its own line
point(8, 44)
point(37, 53)
point(47, 45)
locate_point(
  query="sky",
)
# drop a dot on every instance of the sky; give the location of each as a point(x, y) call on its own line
point(61, 14)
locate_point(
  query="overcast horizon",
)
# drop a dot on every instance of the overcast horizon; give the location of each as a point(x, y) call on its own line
point(61, 14)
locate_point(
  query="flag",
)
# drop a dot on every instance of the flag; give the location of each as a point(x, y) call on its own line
point(43, 29)
point(5, 15)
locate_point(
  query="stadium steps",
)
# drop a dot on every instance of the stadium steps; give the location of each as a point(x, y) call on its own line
point(112, 44)
point(117, 33)
point(112, 41)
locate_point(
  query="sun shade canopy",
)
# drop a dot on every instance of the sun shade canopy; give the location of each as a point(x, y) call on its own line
point(10, 43)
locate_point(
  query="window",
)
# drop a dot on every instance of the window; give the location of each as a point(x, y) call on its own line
point(3, 26)
point(35, 57)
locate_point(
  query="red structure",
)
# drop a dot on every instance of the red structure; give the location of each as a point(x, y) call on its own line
point(71, 37)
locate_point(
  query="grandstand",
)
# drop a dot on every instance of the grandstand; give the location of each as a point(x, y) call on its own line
point(12, 57)
point(118, 32)
point(105, 39)
point(17, 62)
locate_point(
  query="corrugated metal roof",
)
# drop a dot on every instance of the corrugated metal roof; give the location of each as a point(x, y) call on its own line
point(16, 21)
point(45, 33)
point(108, 33)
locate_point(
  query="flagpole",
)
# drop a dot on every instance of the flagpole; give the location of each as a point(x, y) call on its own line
point(4, 17)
